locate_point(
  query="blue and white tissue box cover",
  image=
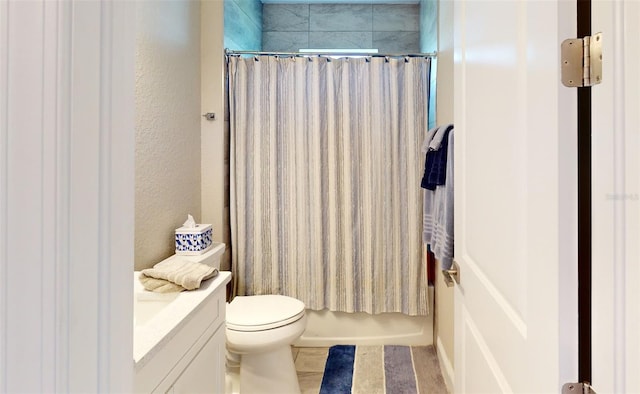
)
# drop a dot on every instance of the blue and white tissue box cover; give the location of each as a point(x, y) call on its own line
point(194, 240)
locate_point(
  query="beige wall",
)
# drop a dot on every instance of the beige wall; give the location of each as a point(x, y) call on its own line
point(167, 125)
point(213, 161)
point(444, 105)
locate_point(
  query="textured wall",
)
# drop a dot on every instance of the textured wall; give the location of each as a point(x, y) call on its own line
point(243, 24)
point(444, 294)
point(167, 124)
point(215, 166)
point(389, 28)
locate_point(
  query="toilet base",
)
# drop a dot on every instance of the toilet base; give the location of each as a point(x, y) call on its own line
point(269, 372)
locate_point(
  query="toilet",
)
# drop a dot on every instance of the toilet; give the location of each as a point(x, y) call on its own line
point(260, 330)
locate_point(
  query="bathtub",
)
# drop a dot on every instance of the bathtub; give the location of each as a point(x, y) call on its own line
point(326, 328)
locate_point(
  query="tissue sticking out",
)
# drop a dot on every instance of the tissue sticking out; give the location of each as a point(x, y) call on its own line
point(190, 223)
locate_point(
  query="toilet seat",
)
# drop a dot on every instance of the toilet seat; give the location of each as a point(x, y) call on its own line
point(262, 312)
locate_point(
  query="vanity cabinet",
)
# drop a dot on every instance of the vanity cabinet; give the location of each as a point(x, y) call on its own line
point(189, 356)
point(205, 374)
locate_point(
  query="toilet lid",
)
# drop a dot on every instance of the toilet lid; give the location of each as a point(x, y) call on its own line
point(262, 312)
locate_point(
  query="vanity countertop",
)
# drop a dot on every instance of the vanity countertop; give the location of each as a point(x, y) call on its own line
point(152, 336)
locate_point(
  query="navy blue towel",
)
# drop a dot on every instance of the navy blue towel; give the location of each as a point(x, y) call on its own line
point(435, 164)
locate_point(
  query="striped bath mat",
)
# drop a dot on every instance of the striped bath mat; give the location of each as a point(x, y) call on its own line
point(382, 369)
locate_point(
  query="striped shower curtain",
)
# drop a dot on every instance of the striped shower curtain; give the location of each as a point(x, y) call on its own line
point(326, 166)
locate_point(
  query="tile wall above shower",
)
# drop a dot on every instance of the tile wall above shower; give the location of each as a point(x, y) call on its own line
point(243, 24)
point(390, 28)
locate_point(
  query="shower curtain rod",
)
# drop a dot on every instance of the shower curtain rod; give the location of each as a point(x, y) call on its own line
point(230, 52)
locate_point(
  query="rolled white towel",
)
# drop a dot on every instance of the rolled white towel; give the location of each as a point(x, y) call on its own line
point(428, 137)
point(436, 141)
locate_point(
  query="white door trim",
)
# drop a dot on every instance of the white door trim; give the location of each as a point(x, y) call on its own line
point(616, 200)
point(66, 192)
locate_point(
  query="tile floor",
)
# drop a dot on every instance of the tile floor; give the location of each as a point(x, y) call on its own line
point(310, 362)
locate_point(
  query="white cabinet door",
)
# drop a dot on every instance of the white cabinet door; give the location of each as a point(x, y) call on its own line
point(515, 197)
point(205, 374)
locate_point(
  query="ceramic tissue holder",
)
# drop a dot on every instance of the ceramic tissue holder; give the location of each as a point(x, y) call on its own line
point(194, 240)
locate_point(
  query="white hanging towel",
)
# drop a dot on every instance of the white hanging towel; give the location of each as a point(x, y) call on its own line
point(438, 211)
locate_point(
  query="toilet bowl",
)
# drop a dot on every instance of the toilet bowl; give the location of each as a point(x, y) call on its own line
point(260, 330)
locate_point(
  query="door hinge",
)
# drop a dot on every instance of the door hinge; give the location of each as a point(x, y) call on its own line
point(582, 61)
point(578, 388)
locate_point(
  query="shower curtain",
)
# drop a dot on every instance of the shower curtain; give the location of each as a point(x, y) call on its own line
point(326, 204)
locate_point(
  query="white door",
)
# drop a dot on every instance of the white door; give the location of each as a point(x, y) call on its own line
point(616, 200)
point(515, 307)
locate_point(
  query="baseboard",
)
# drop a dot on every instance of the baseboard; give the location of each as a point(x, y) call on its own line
point(445, 365)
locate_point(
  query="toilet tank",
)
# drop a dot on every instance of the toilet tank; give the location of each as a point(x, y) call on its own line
point(211, 258)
